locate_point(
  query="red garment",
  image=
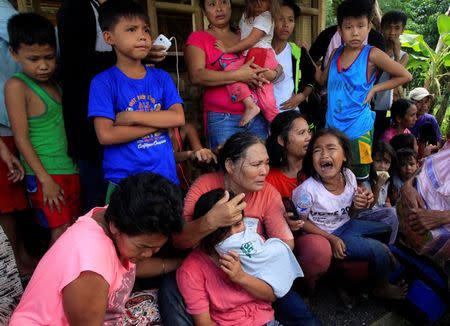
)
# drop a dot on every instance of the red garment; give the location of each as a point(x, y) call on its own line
point(281, 182)
point(70, 183)
point(12, 195)
point(215, 99)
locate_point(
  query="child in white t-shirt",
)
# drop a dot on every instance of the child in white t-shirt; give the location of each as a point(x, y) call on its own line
point(256, 26)
point(334, 193)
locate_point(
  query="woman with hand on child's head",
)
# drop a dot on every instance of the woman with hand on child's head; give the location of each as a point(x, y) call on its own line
point(244, 167)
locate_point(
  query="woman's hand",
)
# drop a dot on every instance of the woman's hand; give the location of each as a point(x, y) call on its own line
point(15, 169)
point(337, 246)
point(294, 225)
point(53, 194)
point(204, 155)
point(226, 212)
point(269, 75)
point(423, 220)
point(293, 102)
point(231, 265)
point(219, 45)
point(250, 73)
point(410, 198)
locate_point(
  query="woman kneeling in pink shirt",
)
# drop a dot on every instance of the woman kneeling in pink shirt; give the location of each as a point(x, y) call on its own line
point(88, 274)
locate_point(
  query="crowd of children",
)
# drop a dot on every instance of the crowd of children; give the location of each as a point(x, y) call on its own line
point(353, 170)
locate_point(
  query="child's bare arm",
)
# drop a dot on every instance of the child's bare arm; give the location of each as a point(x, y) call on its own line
point(163, 119)
point(399, 75)
point(15, 100)
point(192, 137)
point(322, 76)
point(245, 44)
point(197, 150)
point(109, 133)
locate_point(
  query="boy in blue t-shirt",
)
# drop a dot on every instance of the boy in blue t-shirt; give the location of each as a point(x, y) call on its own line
point(351, 74)
point(133, 105)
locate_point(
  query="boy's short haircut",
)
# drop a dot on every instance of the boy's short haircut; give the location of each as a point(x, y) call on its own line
point(404, 154)
point(394, 17)
point(30, 29)
point(291, 4)
point(355, 9)
point(403, 141)
point(112, 11)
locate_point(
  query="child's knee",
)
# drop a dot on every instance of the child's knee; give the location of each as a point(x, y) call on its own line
point(313, 253)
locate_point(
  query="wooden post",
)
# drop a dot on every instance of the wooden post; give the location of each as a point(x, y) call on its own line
point(197, 17)
point(36, 6)
point(322, 15)
point(151, 8)
point(22, 5)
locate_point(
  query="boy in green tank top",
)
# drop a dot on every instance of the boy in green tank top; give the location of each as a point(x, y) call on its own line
point(33, 102)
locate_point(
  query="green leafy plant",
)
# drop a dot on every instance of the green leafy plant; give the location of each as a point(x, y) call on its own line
point(431, 67)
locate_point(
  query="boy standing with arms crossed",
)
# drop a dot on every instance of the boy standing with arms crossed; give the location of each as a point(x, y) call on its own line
point(133, 105)
point(351, 74)
point(33, 102)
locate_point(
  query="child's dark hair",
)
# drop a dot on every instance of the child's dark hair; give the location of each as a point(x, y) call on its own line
point(381, 149)
point(399, 109)
point(291, 4)
point(355, 9)
point(280, 127)
point(112, 11)
point(403, 156)
point(403, 141)
point(146, 203)
point(202, 206)
point(427, 134)
point(236, 146)
point(29, 29)
point(394, 17)
point(250, 12)
point(308, 166)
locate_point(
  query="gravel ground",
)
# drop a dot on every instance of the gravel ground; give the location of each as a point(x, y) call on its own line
point(366, 311)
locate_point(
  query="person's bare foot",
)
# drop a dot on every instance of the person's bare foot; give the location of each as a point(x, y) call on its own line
point(391, 292)
point(251, 111)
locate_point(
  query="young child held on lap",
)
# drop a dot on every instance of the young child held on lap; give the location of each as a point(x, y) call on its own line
point(244, 272)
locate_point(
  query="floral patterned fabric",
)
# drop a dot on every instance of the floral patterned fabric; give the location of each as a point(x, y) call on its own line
point(142, 309)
